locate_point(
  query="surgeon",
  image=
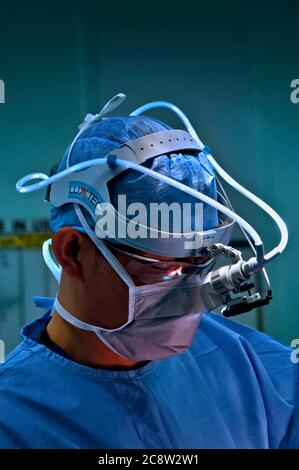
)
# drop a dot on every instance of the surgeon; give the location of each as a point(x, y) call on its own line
point(125, 357)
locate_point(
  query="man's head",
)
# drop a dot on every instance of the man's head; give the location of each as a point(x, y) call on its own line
point(85, 271)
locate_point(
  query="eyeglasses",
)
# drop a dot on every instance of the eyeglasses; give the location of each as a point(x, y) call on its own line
point(198, 260)
point(150, 270)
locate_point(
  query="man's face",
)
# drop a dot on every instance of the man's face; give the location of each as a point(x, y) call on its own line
point(89, 278)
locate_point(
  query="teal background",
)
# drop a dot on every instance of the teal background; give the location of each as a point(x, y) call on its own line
point(228, 65)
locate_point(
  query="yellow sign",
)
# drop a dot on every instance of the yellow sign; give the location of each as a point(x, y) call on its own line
point(25, 240)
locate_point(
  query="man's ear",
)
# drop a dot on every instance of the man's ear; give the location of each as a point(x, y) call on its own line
point(70, 247)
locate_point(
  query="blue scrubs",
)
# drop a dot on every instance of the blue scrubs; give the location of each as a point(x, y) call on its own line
point(233, 388)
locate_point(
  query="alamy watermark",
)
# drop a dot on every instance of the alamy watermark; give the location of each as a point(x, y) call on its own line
point(2, 92)
point(294, 96)
point(153, 220)
point(295, 354)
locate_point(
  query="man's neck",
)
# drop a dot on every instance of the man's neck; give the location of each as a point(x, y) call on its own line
point(85, 347)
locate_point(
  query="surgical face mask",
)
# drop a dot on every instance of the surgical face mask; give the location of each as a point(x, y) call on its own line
point(162, 317)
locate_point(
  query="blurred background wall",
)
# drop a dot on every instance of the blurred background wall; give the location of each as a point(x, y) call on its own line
point(228, 65)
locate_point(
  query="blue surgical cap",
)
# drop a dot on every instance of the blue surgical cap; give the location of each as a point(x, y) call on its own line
point(193, 170)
